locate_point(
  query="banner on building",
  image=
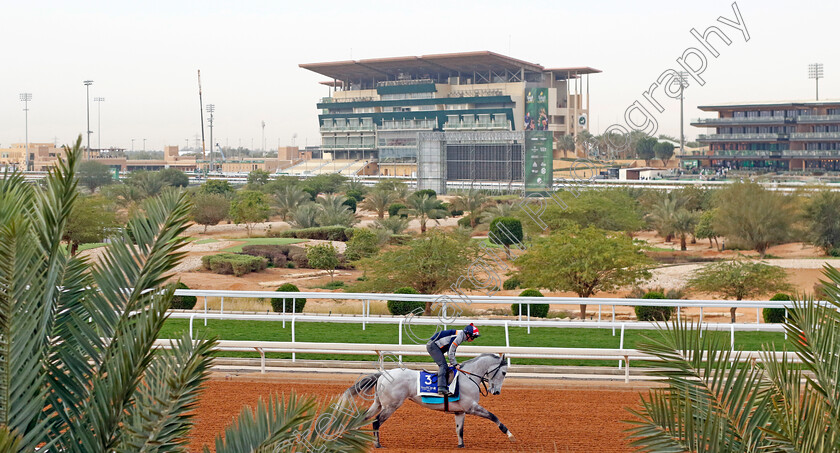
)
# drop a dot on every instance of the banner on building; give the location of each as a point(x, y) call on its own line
point(539, 164)
point(536, 109)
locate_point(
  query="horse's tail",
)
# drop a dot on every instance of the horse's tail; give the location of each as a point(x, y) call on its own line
point(363, 385)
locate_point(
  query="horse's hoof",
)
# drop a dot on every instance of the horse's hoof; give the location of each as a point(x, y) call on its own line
point(461, 446)
point(511, 437)
point(377, 445)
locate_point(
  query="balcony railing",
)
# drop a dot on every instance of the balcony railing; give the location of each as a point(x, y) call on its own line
point(348, 145)
point(393, 83)
point(818, 119)
point(477, 125)
point(409, 125)
point(741, 137)
point(348, 128)
point(815, 136)
point(342, 100)
point(750, 120)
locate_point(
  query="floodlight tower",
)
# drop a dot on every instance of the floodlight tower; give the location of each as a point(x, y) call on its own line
point(682, 77)
point(26, 97)
point(88, 83)
point(815, 71)
point(99, 102)
point(210, 109)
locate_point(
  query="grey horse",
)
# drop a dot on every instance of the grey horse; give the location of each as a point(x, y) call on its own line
point(393, 387)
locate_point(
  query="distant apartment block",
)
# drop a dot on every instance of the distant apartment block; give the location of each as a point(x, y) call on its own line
point(771, 136)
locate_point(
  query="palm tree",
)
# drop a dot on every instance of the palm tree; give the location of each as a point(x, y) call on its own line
point(305, 215)
point(566, 143)
point(424, 208)
point(335, 212)
point(663, 214)
point(716, 400)
point(471, 201)
point(501, 209)
point(78, 368)
point(378, 201)
point(395, 225)
point(288, 198)
point(684, 222)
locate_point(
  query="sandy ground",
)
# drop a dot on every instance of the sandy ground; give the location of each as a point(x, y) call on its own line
point(543, 415)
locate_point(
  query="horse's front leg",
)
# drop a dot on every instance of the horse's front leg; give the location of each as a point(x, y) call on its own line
point(459, 428)
point(484, 413)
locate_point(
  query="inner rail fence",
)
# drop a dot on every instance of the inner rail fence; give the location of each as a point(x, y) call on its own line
point(403, 323)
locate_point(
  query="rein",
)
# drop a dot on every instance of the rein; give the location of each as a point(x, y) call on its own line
point(483, 380)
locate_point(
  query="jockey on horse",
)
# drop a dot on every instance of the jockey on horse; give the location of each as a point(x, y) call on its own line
point(448, 341)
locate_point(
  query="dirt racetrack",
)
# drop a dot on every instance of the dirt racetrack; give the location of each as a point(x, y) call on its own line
point(545, 416)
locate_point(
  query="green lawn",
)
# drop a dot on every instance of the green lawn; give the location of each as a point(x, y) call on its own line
point(92, 245)
point(388, 334)
point(261, 241)
point(206, 241)
point(487, 242)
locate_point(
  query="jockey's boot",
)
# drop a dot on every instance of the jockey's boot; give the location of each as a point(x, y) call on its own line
point(443, 387)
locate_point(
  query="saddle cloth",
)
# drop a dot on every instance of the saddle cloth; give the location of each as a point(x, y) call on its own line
point(427, 385)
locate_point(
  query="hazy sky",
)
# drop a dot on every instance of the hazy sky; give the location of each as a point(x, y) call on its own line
point(143, 57)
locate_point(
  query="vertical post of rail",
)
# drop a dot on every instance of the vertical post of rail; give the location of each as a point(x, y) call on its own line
point(613, 319)
point(222, 310)
point(293, 334)
point(205, 311)
point(678, 313)
point(399, 337)
point(732, 336)
point(599, 312)
point(757, 318)
point(529, 319)
point(507, 339)
point(520, 312)
point(627, 369)
point(192, 317)
point(621, 343)
point(786, 321)
point(262, 359)
point(284, 312)
point(364, 314)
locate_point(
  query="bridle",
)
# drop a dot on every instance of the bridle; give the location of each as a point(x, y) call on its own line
point(483, 380)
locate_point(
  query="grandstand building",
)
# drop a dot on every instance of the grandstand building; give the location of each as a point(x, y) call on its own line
point(770, 136)
point(377, 109)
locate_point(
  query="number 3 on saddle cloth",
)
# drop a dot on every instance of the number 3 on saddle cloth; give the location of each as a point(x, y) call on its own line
point(427, 387)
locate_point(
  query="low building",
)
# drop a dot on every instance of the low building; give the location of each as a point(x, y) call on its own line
point(641, 173)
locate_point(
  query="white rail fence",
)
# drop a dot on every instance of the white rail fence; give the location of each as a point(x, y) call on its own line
point(389, 352)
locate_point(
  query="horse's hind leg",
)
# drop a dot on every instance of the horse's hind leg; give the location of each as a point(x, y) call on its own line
point(459, 428)
point(484, 413)
point(387, 411)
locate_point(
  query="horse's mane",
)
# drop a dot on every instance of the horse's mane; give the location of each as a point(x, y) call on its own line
point(495, 356)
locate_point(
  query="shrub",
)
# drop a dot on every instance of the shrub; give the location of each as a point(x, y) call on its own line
point(511, 283)
point(183, 302)
point(277, 303)
point(429, 192)
point(645, 313)
point(537, 310)
point(354, 194)
point(775, 315)
point(329, 233)
point(275, 254)
point(404, 307)
point(363, 244)
point(465, 222)
point(350, 203)
point(399, 239)
point(232, 263)
point(297, 255)
point(505, 231)
point(394, 210)
point(835, 252)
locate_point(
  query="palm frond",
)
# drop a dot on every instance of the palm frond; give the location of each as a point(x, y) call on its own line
point(711, 392)
point(160, 419)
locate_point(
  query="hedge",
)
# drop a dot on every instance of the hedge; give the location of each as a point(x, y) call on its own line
point(183, 302)
point(429, 192)
point(645, 313)
point(277, 303)
point(775, 315)
point(275, 254)
point(394, 210)
point(232, 263)
point(329, 233)
point(404, 307)
point(511, 283)
point(537, 310)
